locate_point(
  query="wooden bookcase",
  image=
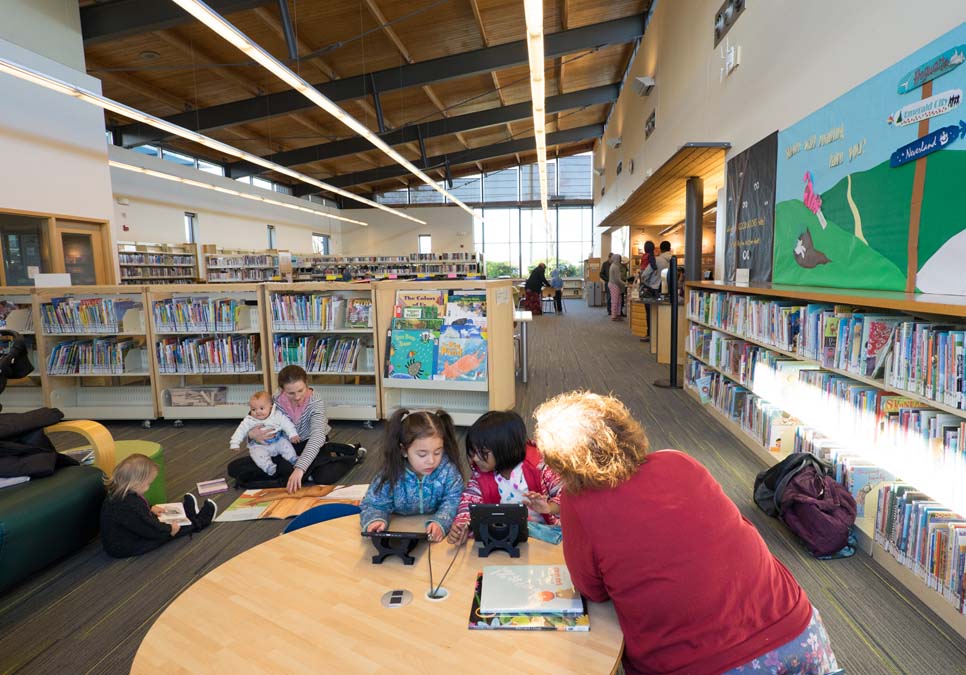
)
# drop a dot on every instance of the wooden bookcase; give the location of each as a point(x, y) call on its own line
point(573, 288)
point(465, 401)
point(350, 392)
point(143, 263)
point(226, 266)
point(318, 267)
point(20, 314)
point(230, 388)
point(125, 395)
point(937, 308)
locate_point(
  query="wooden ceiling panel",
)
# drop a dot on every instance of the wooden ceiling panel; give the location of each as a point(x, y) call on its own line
point(591, 69)
point(586, 12)
point(420, 34)
point(468, 94)
point(487, 136)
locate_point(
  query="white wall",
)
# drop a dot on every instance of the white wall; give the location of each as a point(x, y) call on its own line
point(450, 226)
point(795, 58)
point(51, 28)
point(52, 146)
point(156, 207)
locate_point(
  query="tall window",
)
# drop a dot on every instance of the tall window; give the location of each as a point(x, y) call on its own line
point(271, 236)
point(191, 227)
point(320, 243)
point(425, 243)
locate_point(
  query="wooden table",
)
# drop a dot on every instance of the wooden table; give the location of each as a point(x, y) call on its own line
point(310, 600)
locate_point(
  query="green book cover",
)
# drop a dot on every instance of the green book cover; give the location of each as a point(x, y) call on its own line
point(412, 354)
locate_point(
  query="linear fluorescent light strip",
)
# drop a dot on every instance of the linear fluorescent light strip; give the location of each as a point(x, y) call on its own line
point(218, 24)
point(35, 77)
point(533, 11)
point(228, 191)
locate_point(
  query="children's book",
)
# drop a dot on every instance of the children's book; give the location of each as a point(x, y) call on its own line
point(212, 487)
point(558, 621)
point(412, 354)
point(462, 355)
point(529, 589)
point(876, 334)
point(467, 305)
point(279, 503)
point(359, 313)
point(430, 304)
point(173, 513)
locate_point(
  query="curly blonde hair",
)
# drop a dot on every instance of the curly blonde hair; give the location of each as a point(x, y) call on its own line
point(591, 441)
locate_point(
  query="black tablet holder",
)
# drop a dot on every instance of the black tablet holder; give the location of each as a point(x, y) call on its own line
point(499, 527)
point(394, 543)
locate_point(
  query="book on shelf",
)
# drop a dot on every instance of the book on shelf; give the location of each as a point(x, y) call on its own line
point(462, 353)
point(412, 354)
point(520, 621)
point(529, 589)
point(103, 356)
point(309, 311)
point(213, 354)
point(358, 313)
point(318, 355)
point(419, 304)
point(91, 315)
point(15, 317)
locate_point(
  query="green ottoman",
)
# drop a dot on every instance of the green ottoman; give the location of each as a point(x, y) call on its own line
point(156, 494)
point(47, 518)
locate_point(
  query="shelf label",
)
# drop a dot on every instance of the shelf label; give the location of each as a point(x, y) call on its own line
point(331, 277)
point(450, 276)
point(393, 276)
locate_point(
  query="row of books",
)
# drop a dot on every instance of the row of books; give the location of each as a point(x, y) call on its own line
point(155, 259)
point(241, 275)
point(90, 315)
point(241, 260)
point(925, 537)
point(438, 335)
point(104, 356)
point(156, 272)
point(203, 314)
point(217, 354)
point(375, 259)
point(320, 311)
point(927, 358)
point(325, 355)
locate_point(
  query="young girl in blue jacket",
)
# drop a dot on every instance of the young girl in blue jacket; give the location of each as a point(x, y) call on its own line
point(420, 473)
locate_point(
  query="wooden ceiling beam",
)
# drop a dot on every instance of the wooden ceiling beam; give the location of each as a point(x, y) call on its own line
point(486, 43)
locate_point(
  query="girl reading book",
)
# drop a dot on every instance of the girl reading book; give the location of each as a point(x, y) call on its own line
point(129, 525)
point(506, 469)
point(420, 473)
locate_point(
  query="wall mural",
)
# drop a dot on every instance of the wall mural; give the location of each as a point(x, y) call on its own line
point(869, 188)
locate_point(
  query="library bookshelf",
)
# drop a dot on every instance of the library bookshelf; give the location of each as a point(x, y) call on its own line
point(737, 340)
point(465, 401)
point(328, 328)
point(456, 265)
point(226, 266)
point(17, 312)
point(93, 352)
point(208, 349)
point(573, 288)
point(142, 263)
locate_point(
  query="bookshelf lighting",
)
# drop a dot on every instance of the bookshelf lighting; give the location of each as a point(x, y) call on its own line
point(59, 86)
point(219, 25)
point(533, 10)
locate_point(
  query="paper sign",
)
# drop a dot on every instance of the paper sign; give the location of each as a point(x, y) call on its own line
point(741, 275)
point(32, 270)
point(51, 280)
point(502, 296)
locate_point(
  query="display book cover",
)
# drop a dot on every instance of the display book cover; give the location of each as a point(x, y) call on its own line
point(577, 620)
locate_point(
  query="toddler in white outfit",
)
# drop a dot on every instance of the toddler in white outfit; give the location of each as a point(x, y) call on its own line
point(263, 413)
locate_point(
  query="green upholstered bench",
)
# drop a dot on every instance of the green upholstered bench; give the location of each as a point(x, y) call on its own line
point(47, 518)
point(156, 494)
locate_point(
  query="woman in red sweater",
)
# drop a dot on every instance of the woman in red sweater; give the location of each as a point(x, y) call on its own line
point(695, 588)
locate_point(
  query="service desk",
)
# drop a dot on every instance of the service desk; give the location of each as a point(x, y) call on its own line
point(310, 600)
point(660, 330)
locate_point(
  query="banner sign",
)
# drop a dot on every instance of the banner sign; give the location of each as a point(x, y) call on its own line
point(940, 104)
point(928, 144)
point(930, 70)
point(751, 210)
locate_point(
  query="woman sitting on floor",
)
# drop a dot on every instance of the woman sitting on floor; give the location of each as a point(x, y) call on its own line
point(695, 588)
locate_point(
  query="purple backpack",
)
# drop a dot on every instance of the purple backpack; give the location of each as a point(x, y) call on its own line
point(818, 510)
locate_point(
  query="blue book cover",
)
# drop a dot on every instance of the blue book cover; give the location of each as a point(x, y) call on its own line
point(462, 354)
point(412, 354)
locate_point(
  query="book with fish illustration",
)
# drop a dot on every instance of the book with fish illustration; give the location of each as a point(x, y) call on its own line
point(462, 354)
point(412, 354)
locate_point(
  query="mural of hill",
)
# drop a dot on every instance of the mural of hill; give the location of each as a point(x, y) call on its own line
point(943, 216)
point(853, 263)
point(881, 196)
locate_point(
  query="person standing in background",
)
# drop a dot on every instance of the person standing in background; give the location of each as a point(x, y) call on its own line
point(557, 282)
point(616, 286)
point(534, 286)
point(605, 278)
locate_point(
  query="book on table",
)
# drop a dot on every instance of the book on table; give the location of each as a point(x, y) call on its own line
point(529, 589)
point(525, 621)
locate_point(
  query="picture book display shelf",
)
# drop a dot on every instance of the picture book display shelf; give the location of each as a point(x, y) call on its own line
point(872, 382)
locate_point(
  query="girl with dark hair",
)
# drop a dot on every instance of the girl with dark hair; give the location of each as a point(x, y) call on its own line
point(420, 473)
point(506, 469)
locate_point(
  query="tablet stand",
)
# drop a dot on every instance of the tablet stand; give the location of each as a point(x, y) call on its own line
point(501, 537)
point(389, 546)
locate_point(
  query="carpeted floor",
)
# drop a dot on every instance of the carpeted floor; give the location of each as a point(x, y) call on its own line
point(89, 612)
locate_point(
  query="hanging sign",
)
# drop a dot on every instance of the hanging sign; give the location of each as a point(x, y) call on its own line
point(940, 104)
point(930, 70)
point(928, 144)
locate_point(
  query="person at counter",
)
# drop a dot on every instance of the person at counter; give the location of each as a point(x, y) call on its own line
point(535, 283)
point(616, 286)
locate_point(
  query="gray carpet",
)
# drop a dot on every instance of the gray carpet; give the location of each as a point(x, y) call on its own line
point(89, 612)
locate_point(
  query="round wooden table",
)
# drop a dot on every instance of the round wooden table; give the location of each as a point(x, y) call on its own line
point(311, 600)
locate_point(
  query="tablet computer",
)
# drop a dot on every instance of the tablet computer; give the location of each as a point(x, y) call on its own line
point(507, 522)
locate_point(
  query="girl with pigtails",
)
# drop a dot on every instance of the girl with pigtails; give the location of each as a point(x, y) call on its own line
point(420, 473)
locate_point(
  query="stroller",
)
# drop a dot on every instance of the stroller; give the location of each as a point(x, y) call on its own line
point(25, 449)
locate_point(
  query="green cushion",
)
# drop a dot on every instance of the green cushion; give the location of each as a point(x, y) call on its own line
point(47, 518)
point(157, 493)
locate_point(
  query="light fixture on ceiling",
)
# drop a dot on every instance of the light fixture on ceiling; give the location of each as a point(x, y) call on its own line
point(644, 85)
point(228, 191)
point(35, 77)
point(219, 25)
point(533, 12)
point(614, 142)
point(671, 228)
point(149, 55)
